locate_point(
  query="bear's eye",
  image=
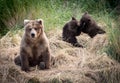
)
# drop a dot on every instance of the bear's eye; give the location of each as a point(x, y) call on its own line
point(88, 20)
point(36, 28)
point(30, 29)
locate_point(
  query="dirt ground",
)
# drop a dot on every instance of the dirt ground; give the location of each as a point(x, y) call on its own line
point(71, 64)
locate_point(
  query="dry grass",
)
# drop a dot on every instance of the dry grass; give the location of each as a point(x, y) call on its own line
point(72, 65)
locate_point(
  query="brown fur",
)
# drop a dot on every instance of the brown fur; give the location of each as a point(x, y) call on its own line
point(34, 51)
point(74, 28)
point(89, 26)
point(70, 31)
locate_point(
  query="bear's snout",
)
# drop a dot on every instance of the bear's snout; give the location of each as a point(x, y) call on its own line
point(32, 35)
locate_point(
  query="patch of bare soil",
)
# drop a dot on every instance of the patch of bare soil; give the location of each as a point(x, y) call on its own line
point(70, 64)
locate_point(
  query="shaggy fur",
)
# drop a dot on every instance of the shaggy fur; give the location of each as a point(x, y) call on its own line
point(34, 48)
point(70, 31)
point(89, 26)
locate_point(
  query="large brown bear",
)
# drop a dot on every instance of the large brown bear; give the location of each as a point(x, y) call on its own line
point(74, 28)
point(89, 26)
point(70, 31)
point(34, 48)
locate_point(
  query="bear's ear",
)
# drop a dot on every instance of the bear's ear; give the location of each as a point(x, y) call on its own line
point(86, 12)
point(40, 21)
point(73, 18)
point(26, 21)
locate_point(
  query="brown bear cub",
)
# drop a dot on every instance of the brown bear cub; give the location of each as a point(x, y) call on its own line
point(70, 31)
point(74, 28)
point(89, 26)
point(34, 48)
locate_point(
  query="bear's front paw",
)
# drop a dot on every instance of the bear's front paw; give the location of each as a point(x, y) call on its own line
point(42, 65)
point(25, 69)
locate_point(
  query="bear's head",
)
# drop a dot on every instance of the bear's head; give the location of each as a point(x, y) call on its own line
point(74, 24)
point(89, 26)
point(86, 19)
point(33, 28)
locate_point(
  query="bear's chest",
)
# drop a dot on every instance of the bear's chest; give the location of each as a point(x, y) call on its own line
point(37, 51)
point(34, 52)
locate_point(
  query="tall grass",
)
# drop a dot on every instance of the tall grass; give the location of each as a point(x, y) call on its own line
point(114, 43)
point(54, 12)
point(11, 12)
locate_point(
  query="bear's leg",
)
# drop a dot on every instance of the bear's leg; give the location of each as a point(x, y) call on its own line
point(46, 58)
point(24, 63)
point(74, 42)
point(17, 61)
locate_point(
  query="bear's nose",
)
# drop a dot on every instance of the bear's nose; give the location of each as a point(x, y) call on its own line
point(33, 35)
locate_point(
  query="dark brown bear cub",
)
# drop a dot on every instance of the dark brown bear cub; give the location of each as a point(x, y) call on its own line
point(34, 48)
point(89, 26)
point(70, 31)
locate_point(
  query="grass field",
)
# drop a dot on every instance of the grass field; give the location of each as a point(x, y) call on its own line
point(56, 13)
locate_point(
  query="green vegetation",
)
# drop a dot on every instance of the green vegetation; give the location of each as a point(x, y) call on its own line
point(113, 48)
point(54, 12)
point(57, 12)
